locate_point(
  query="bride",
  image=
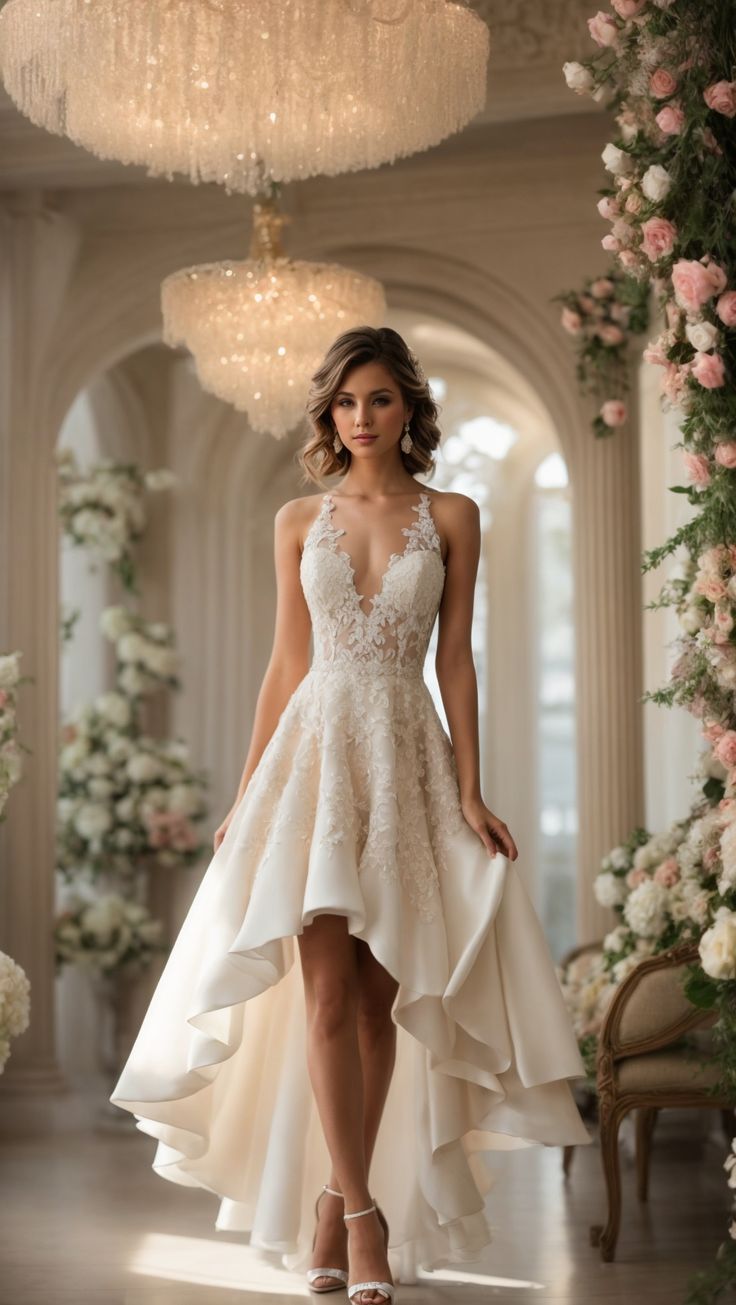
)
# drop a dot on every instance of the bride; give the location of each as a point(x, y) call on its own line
point(423, 1026)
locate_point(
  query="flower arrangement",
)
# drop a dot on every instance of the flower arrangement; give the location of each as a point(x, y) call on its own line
point(11, 749)
point(103, 509)
point(603, 317)
point(15, 1004)
point(106, 934)
point(123, 796)
point(666, 69)
point(145, 653)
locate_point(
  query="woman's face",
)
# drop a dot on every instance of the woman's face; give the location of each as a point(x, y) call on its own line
point(369, 403)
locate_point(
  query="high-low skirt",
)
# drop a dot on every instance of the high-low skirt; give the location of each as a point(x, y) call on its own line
point(354, 810)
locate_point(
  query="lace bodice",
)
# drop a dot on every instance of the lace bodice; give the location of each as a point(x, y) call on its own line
point(394, 633)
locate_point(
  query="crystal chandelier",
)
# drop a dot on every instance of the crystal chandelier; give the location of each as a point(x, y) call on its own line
point(258, 328)
point(246, 91)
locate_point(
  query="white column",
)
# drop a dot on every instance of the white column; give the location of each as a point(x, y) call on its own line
point(38, 253)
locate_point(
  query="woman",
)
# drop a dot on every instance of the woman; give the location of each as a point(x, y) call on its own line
point(359, 830)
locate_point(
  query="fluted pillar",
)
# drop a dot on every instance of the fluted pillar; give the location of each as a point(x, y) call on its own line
point(38, 253)
point(608, 598)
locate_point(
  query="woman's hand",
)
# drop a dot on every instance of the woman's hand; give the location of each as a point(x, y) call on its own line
point(492, 832)
point(222, 830)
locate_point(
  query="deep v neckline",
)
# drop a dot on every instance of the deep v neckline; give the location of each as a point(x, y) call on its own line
point(328, 503)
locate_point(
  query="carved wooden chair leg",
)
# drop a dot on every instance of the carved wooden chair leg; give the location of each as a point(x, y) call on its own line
point(610, 1122)
point(645, 1121)
point(567, 1155)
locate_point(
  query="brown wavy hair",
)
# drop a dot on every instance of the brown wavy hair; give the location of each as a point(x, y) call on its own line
point(364, 344)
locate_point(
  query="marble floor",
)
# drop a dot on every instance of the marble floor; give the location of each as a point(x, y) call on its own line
point(86, 1222)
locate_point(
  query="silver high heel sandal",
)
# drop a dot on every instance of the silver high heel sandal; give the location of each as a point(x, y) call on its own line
point(313, 1274)
point(385, 1289)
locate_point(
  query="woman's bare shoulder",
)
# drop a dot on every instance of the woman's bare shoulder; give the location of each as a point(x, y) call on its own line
point(297, 514)
point(454, 508)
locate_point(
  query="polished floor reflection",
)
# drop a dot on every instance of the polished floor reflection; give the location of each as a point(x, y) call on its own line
point(85, 1222)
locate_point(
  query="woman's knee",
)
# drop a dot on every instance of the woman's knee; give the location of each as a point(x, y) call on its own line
point(331, 1001)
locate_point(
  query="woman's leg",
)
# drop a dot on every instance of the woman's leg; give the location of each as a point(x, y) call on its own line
point(331, 985)
point(376, 1038)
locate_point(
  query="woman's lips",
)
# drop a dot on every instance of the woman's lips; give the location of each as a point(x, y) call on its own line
point(365, 439)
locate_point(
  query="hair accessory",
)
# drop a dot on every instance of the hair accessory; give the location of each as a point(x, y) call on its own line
point(417, 366)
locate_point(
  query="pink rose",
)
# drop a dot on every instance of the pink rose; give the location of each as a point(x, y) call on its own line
point(673, 314)
point(693, 286)
point(668, 873)
point(697, 468)
point(627, 8)
point(725, 749)
point(587, 303)
point(608, 207)
point(628, 259)
point(670, 120)
point(610, 244)
point(662, 84)
point(610, 334)
point(723, 620)
point(721, 97)
point(636, 877)
point(710, 588)
point(603, 288)
point(571, 321)
point(633, 203)
point(614, 412)
point(725, 454)
point(673, 381)
point(712, 857)
point(726, 308)
point(658, 238)
point(603, 29)
point(713, 733)
point(708, 370)
point(717, 274)
point(654, 353)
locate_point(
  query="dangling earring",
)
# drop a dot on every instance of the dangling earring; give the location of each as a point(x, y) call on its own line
point(337, 443)
point(407, 443)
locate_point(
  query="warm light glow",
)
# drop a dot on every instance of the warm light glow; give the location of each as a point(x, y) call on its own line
point(191, 86)
point(259, 328)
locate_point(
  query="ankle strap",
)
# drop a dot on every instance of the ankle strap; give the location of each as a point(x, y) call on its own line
point(331, 1190)
point(358, 1213)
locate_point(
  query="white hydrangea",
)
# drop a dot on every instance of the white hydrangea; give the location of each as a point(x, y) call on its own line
point(645, 910)
point(143, 768)
point(10, 670)
point(115, 622)
point(184, 798)
point(114, 708)
point(161, 479)
point(131, 647)
point(609, 889)
point(92, 820)
point(132, 681)
point(15, 1004)
point(619, 858)
point(616, 939)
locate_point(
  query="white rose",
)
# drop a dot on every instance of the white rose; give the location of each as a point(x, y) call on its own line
point(616, 939)
point(645, 911)
point(92, 820)
point(616, 160)
point(9, 670)
point(115, 622)
point(131, 648)
point(578, 78)
point(142, 768)
point(161, 661)
point(125, 809)
point(619, 858)
point(114, 708)
point(718, 946)
point(624, 967)
point(702, 335)
point(656, 183)
point(609, 889)
point(692, 618)
point(100, 788)
point(184, 798)
point(133, 682)
point(163, 479)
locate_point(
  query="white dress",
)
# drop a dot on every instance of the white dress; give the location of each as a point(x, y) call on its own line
point(354, 810)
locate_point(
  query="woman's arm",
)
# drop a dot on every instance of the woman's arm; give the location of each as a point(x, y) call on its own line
point(456, 670)
point(289, 660)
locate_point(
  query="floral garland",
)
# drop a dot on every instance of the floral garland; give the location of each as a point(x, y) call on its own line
point(603, 317)
point(103, 510)
point(15, 990)
point(11, 749)
point(666, 67)
point(145, 653)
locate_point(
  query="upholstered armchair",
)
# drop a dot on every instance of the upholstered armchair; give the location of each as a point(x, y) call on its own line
point(645, 1064)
